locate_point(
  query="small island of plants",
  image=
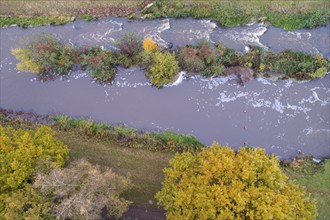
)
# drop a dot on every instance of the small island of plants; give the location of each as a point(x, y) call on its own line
point(47, 56)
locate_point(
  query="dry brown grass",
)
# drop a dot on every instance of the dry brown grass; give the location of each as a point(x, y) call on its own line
point(125, 7)
point(69, 7)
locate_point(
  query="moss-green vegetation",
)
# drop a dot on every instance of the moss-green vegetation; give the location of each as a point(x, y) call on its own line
point(129, 137)
point(290, 64)
point(34, 21)
point(286, 14)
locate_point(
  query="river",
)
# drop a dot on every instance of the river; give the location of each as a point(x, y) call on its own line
point(283, 117)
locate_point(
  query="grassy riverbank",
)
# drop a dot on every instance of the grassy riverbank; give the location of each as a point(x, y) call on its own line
point(316, 180)
point(145, 166)
point(286, 14)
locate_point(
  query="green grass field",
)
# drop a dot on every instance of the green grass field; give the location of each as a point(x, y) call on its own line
point(143, 166)
point(316, 183)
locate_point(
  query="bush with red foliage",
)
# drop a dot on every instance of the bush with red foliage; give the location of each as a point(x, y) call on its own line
point(200, 58)
point(130, 45)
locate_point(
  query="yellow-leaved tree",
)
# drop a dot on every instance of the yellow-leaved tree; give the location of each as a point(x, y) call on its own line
point(219, 183)
point(21, 151)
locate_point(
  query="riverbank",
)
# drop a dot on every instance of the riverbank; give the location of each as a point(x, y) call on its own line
point(145, 167)
point(289, 15)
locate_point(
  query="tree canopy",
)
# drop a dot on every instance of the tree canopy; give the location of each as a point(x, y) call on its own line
point(82, 190)
point(21, 151)
point(219, 183)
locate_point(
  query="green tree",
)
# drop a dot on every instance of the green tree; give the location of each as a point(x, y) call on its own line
point(82, 190)
point(219, 183)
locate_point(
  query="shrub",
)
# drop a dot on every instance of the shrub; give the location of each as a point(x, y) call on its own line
point(100, 64)
point(200, 58)
point(46, 55)
point(130, 45)
point(294, 64)
point(189, 60)
point(149, 45)
point(218, 183)
point(320, 72)
point(26, 63)
point(84, 190)
point(163, 68)
point(130, 49)
point(228, 57)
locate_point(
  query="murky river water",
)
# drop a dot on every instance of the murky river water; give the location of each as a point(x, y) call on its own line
point(281, 116)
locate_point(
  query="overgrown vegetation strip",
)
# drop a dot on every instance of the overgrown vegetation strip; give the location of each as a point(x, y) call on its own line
point(129, 137)
point(49, 57)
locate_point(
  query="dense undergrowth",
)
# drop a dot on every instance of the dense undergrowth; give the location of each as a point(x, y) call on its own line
point(49, 57)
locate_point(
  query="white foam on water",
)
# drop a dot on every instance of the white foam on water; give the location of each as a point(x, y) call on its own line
point(155, 34)
point(205, 34)
point(300, 38)
point(249, 36)
point(310, 131)
point(264, 81)
point(224, 98)
point(178, 81)
point(214, 82)
point(288, 83)
point(80, 75)
point(124, 84)
point(104, 33)
point(260, 103)
point(315, 98)
point(278, 106)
